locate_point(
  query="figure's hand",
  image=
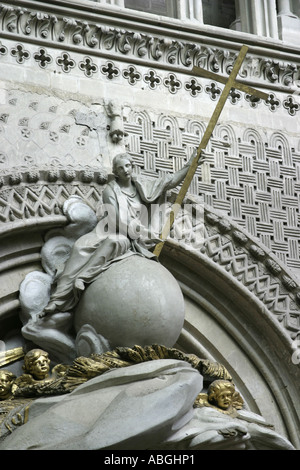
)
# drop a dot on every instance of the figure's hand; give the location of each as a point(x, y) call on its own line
point(156, 240)
point(194, 154)
point(149, 238)
point(201, 159)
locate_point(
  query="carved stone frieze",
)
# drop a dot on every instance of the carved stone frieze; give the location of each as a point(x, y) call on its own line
point(26, 194)
point(133, 75)
point(149, 48)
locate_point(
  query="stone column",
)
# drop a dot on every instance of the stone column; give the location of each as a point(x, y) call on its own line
point(256, 17)
point(237, 25)
point(284, 8)
point(190, 10)
point(288, 21)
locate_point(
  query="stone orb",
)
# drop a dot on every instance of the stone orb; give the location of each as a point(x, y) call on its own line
point(135, 301)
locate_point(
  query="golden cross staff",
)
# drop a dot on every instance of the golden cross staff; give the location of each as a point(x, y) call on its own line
point(229, 84)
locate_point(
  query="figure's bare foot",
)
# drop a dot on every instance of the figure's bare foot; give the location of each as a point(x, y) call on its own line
point(51, 308)
point(79, 284)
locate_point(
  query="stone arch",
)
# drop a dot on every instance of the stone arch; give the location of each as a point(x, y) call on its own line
point(240, 303)
point(227, 324)
point(279, 141)
point(254, 137)
point(143, 119)
point(170, 123)
point(226, 132)
point(196, 128)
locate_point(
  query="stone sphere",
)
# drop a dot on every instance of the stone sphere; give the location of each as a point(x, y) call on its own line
point(135, 302)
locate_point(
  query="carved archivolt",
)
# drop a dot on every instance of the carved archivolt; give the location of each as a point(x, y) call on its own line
point(222, 241)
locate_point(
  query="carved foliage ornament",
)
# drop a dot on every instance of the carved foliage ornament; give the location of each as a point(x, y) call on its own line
point(50, 27)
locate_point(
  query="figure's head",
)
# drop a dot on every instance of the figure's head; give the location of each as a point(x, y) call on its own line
point(220, 393)
point(6, 382)
point(122, 166)
point(37, 363)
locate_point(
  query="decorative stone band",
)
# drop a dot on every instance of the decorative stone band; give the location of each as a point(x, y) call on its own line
point(134, 75)
point(223, 241)
point(150, 47)
point(43, 192)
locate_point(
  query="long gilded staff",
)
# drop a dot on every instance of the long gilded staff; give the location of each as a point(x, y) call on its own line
point(229, 83)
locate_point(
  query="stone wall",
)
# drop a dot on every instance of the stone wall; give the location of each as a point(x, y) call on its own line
point(75, 91)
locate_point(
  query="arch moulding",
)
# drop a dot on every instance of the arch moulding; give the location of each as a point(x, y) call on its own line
point(242, 305)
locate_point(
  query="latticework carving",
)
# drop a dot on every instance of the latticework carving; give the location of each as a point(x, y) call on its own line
point(251, 177)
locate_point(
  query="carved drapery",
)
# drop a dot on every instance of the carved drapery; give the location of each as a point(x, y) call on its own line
point(224, 242)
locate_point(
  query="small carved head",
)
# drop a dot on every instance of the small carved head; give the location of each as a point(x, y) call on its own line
point(122, 164)
point(37, 364)
point(6, 381)
point(220, 393)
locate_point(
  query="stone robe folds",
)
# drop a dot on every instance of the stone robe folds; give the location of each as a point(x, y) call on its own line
point(135, 407)
point(141, 407)
point(115, 237)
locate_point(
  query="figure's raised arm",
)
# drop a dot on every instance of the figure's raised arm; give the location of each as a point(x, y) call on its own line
point(179, 175)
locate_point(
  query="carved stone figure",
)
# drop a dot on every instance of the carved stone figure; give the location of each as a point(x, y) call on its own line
point(125, 198)
point(220, 421)
point(37, 374)
point(113, 307)
point(221, 395)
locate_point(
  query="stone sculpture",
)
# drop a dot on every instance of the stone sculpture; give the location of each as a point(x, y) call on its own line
point(6, 382)
point(156, 391)
point(126, 202)
point(103, 273)
point(86, 310)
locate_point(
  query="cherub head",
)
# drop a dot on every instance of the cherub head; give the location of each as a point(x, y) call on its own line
point(6, 381)
point(37, 364)
point(220, 393)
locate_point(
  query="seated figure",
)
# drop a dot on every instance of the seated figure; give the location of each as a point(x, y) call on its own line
point(127, 227)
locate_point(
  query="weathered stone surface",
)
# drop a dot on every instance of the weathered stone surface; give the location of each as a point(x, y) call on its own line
point(136, 301)
point(130, 408)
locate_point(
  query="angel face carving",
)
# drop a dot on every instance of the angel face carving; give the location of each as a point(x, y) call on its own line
point(37, 364)
point(6, 382)
point(220, 394)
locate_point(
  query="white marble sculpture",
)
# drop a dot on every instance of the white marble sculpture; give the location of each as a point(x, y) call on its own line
point(99, 290)
point(85, 294)
point(144, 406)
